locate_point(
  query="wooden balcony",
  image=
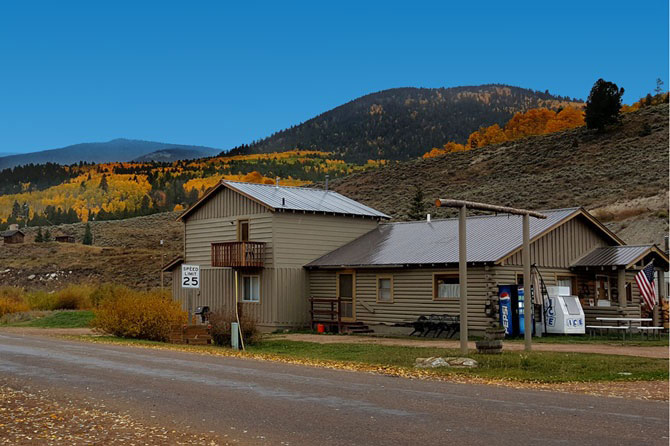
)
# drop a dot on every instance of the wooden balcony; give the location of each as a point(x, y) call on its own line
point(241, 255)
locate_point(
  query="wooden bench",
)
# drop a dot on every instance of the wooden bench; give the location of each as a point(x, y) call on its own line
point(648, 330)
point(592, 329)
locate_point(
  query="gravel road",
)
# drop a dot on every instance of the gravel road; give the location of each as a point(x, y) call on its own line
point(251, 402)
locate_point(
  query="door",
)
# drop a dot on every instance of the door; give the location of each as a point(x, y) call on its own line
point(346, 292)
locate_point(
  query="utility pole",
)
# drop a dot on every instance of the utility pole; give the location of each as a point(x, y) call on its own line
point(463, 206)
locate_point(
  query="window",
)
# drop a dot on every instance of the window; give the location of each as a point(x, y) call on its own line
point(384, 288)
point(251, 289)
point(603, 291)
point(445, 286)
point(243, 230)
point(566, 282)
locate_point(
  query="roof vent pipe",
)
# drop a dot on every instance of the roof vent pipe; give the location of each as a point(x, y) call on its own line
point(277, 182)
point(428, 218)
point(283, 202)
point(327, 178)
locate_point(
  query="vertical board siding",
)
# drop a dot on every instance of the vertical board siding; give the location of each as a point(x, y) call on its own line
point(283, 299)
point(300, 238)
point(227, 203)
point(562, 246)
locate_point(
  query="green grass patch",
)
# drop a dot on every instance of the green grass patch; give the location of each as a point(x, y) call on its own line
point(60, 319)
point(632, 340)
point(541, 367)
point(519, 366)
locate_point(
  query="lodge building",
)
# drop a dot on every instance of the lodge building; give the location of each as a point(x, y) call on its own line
point(286, 245)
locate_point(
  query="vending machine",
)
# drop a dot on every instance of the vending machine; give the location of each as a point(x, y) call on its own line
point(511, 303)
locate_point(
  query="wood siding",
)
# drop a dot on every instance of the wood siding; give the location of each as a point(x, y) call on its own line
point(562, 246)
point(412, 295)
point(283, 295)
point(300, 238)
point(227, 203)
point(200, 234)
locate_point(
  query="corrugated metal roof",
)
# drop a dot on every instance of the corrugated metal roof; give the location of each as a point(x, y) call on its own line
point(613, 255)
point(489, 238)
point(10, 232)
point(304, 199)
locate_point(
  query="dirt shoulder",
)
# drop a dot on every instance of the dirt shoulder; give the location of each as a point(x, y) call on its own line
point(646, 352)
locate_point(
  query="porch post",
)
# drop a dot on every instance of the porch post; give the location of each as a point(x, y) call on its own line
point(463, 278)
point(661, 295)
point(621, 286)
point(528, 310)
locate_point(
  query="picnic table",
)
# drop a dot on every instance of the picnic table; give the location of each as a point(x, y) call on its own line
point(624, 325)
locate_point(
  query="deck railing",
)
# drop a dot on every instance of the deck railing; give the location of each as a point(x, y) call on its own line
point(326, 311)
point(238, 254)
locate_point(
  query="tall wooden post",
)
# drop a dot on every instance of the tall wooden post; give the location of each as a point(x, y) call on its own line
point(463, 278)
point(527, 302)
point(662, 296)
point(621, 287)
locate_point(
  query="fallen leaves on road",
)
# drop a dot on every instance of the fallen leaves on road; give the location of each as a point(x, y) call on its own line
point(36, 419)
point(645, 390)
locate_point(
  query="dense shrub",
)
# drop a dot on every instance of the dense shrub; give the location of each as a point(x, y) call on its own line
point(220, 322)
point(138, 314)
point(10, 305)
point(72, 297)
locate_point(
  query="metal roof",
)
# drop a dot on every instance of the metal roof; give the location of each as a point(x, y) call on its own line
point(489, 239)
point(303, 199)
point(11, 232)
point(613, 255)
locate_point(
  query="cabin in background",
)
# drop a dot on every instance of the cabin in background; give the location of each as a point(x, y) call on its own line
point(13, 235)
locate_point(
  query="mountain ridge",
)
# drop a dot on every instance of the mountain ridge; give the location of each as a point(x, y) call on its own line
point(403, 123)
point(118, 149)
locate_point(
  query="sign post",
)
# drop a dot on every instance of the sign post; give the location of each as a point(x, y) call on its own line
point(190, 278)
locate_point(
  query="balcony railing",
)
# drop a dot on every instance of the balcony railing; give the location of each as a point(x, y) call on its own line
point(238, 254)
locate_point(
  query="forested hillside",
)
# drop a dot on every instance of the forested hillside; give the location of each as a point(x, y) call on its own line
point(54, 194)
point(403, 123)
point(621, 174)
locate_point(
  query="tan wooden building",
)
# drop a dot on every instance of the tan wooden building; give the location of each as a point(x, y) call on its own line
point(287, 244)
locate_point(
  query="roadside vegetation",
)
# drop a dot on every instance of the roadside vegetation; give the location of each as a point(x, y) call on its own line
point(533, 367)
point(111, 309)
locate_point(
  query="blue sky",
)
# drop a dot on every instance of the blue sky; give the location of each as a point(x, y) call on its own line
point(213, 74)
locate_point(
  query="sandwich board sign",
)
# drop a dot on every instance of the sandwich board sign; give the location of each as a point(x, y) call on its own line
point(190, 276)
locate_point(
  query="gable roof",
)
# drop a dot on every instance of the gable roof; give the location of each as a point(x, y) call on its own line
point(11, 232)
point(172, 264)
point(490, 239)
point(291, 198)
point(625, 256)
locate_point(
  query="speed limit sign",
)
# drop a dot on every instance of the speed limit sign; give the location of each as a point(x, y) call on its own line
point(190, 276)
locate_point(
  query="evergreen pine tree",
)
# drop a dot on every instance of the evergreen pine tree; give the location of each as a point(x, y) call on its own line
point(103, 183)
point(603, 105)
point(39, 238)
point(418, 207)
point(47, 236)
point(88, 235)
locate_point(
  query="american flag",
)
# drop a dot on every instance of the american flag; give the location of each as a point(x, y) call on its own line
point(645, 282)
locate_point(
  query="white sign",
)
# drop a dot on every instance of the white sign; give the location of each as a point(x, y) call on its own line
point(190, 276)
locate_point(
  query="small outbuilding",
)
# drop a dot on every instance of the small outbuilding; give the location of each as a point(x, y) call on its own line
point(65, 239)
point(13, 236)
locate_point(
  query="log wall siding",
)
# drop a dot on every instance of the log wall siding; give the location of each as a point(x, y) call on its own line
point(562, 246)
point(200, 234)
point(283, 295)
point(227, 203)
point(412, 294)
point(300, 238)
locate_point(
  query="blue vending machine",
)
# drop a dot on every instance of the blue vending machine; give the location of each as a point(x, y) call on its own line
point(511, 301)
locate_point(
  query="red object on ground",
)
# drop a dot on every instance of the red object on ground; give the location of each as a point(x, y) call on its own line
point(320, 328)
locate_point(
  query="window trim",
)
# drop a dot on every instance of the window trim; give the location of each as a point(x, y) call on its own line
point(447, 274)
point(609, 287)
point(377, 279)
point(573, 279)
point(257, 276)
